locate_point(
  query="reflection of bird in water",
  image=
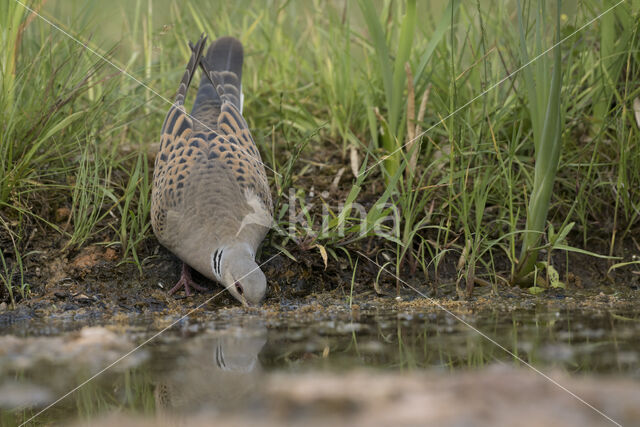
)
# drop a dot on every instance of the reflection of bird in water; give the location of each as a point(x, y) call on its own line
point(216, 370)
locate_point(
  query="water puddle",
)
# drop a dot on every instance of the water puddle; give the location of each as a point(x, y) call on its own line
point(367, 366)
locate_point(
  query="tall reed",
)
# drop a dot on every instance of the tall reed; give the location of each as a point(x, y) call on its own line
point(543, 83)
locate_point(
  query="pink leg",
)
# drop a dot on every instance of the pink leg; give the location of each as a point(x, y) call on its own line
point(187, 282)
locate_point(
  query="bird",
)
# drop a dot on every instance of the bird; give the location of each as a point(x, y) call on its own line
point(211, 203)
point(217, 369)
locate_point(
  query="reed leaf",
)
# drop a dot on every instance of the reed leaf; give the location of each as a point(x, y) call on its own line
point(547, 116)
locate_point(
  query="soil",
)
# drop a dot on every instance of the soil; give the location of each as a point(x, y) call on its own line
point(95, 279)
point(93, 282)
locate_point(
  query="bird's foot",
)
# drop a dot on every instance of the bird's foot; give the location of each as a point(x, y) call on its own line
point(187, 282)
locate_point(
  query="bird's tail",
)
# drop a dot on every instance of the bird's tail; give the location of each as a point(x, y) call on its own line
point(196, 54)
point(224, 62)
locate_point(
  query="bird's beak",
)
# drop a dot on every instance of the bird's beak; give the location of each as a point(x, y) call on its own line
point(245, 302)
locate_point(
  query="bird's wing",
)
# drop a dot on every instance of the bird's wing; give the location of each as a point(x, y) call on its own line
point(174, 156)
point(245, 162)
point(235, 145)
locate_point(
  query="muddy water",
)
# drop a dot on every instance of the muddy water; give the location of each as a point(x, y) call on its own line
point(359, 365)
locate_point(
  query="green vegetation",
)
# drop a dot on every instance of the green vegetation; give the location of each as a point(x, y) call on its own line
point(481, 173)
point(543, 81)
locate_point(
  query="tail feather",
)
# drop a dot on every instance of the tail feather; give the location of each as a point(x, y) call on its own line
point(196, 54)
point(226, 54)
point(224, 61)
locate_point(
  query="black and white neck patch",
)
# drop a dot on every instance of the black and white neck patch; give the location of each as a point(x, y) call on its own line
point(216, 262)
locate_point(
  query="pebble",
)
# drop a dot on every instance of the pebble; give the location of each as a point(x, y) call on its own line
point(62, 214)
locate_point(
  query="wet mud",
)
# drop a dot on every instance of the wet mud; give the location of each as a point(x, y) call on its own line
point(321, 349)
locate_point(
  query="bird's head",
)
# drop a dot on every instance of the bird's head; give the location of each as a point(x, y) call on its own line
point(234, 266)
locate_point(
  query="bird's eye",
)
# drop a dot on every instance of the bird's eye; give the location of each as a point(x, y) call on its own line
point(239, 288)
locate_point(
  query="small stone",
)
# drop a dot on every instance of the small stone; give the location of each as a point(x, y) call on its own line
point(110, 254)
point(62, 214)
point(3, 306)
point(69, 306)
point(83, 299)
point(87, 258)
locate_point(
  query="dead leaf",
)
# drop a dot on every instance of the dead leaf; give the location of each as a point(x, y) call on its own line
point(355, 161)
point(323, 254)
point(325, 352)
point(334, 185)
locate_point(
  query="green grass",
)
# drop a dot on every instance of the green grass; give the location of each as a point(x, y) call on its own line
point(326, 91)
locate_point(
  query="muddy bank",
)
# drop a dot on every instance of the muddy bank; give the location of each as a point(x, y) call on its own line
point(497, 396)
point(73, 307)
point(93, 283)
